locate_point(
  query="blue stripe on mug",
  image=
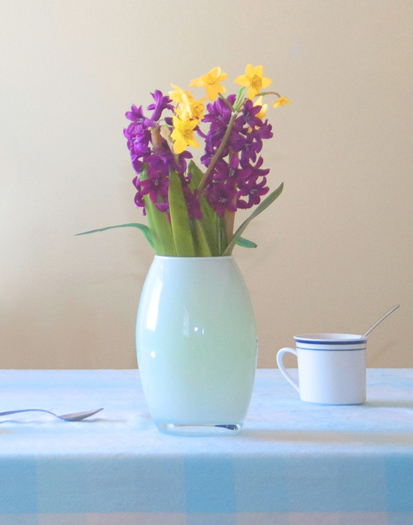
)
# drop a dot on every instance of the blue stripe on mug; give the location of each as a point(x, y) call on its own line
point(332, 348)
point(326, 342)
point(330, 339)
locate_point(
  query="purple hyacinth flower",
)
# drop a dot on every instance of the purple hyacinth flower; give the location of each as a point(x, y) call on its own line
point(155, 186)
point(227, 172)
point(161, 103)
point(138, 118)
point(162, 206)
point(139, 201)
point(200, 132)
point(231, 98)
point(254, 191)
point(181, 158)
point(140, 145)
point(249, 114)
point(257, 171)
point(210, 150)
point(264, 131)
point(206, 159)
point(137, 163)
point(236, 140)
point(221, 196)
point(219, 115)
point(251, 186)
point(249, 149)
point(192, 203)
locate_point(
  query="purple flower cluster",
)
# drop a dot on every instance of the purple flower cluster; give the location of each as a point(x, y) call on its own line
point(148, 149)
point(239, 181)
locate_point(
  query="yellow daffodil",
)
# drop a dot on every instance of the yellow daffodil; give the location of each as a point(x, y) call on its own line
point(253, 80)
point(263, 110)
point(183, 134)
point(177, 94)
point(281, 102)
point(189, 108)
point(211, 82)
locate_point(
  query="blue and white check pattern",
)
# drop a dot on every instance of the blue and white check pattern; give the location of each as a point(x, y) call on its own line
point(292, 464)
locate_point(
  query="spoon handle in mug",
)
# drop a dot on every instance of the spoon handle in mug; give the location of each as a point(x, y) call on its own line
point(380, 320)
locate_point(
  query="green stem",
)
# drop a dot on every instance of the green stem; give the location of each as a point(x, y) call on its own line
point(218, 152)
point(225, 101)
point(268, 93)
point(180, 224)
point(159, 225)
point(237, 103)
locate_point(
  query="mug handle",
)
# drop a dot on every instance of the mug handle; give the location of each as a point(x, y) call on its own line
point(280, 355)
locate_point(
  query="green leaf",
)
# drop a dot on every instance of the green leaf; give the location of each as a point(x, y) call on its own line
point(159, 224)
point(181, 227)
point(221, 233)
point(210, 222)
point(202, 248)
point(196, 173)
point(144, 229)
point(245, 243)
point(260, 208)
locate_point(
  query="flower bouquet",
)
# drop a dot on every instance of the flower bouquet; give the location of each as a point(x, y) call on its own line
point(196, 336)
point(190, 211)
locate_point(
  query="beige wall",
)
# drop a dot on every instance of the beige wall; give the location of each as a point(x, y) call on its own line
point(335, 251)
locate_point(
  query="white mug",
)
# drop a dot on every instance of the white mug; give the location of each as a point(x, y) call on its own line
point(331, 368)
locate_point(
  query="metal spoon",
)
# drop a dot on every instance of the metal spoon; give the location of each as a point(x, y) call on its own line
point(79, 416)
point(380, 320)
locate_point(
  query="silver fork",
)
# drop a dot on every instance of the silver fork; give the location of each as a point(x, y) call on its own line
point(78, 416)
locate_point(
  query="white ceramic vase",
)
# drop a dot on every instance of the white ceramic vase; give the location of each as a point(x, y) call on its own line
point(196, 345)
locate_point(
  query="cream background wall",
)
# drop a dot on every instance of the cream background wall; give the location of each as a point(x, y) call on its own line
point(335, 251)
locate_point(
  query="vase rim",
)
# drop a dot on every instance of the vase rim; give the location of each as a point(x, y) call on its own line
point(193, 258)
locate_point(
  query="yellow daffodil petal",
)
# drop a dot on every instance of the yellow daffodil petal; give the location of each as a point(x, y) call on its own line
point(179, 145)
point(211, 82)
point(265, 82)
point(282, 101)
point(252, 92)
point(189, 108)
point(197, 109)
point(183, 134)
point(249, 71)
point(242, 80)
point(176, 94)
point(213, 90)
point(193, 143)
point(253, 80)
point(215, 74)
point(263, 109)
point(258, 70)
point(197, 82)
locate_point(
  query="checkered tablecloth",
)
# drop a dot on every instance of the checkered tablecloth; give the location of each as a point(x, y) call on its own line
point(292, 464)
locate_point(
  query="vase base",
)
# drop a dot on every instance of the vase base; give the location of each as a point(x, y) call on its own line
point(199, 430)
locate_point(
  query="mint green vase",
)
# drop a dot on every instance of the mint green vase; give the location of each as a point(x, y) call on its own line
point(196, 345)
